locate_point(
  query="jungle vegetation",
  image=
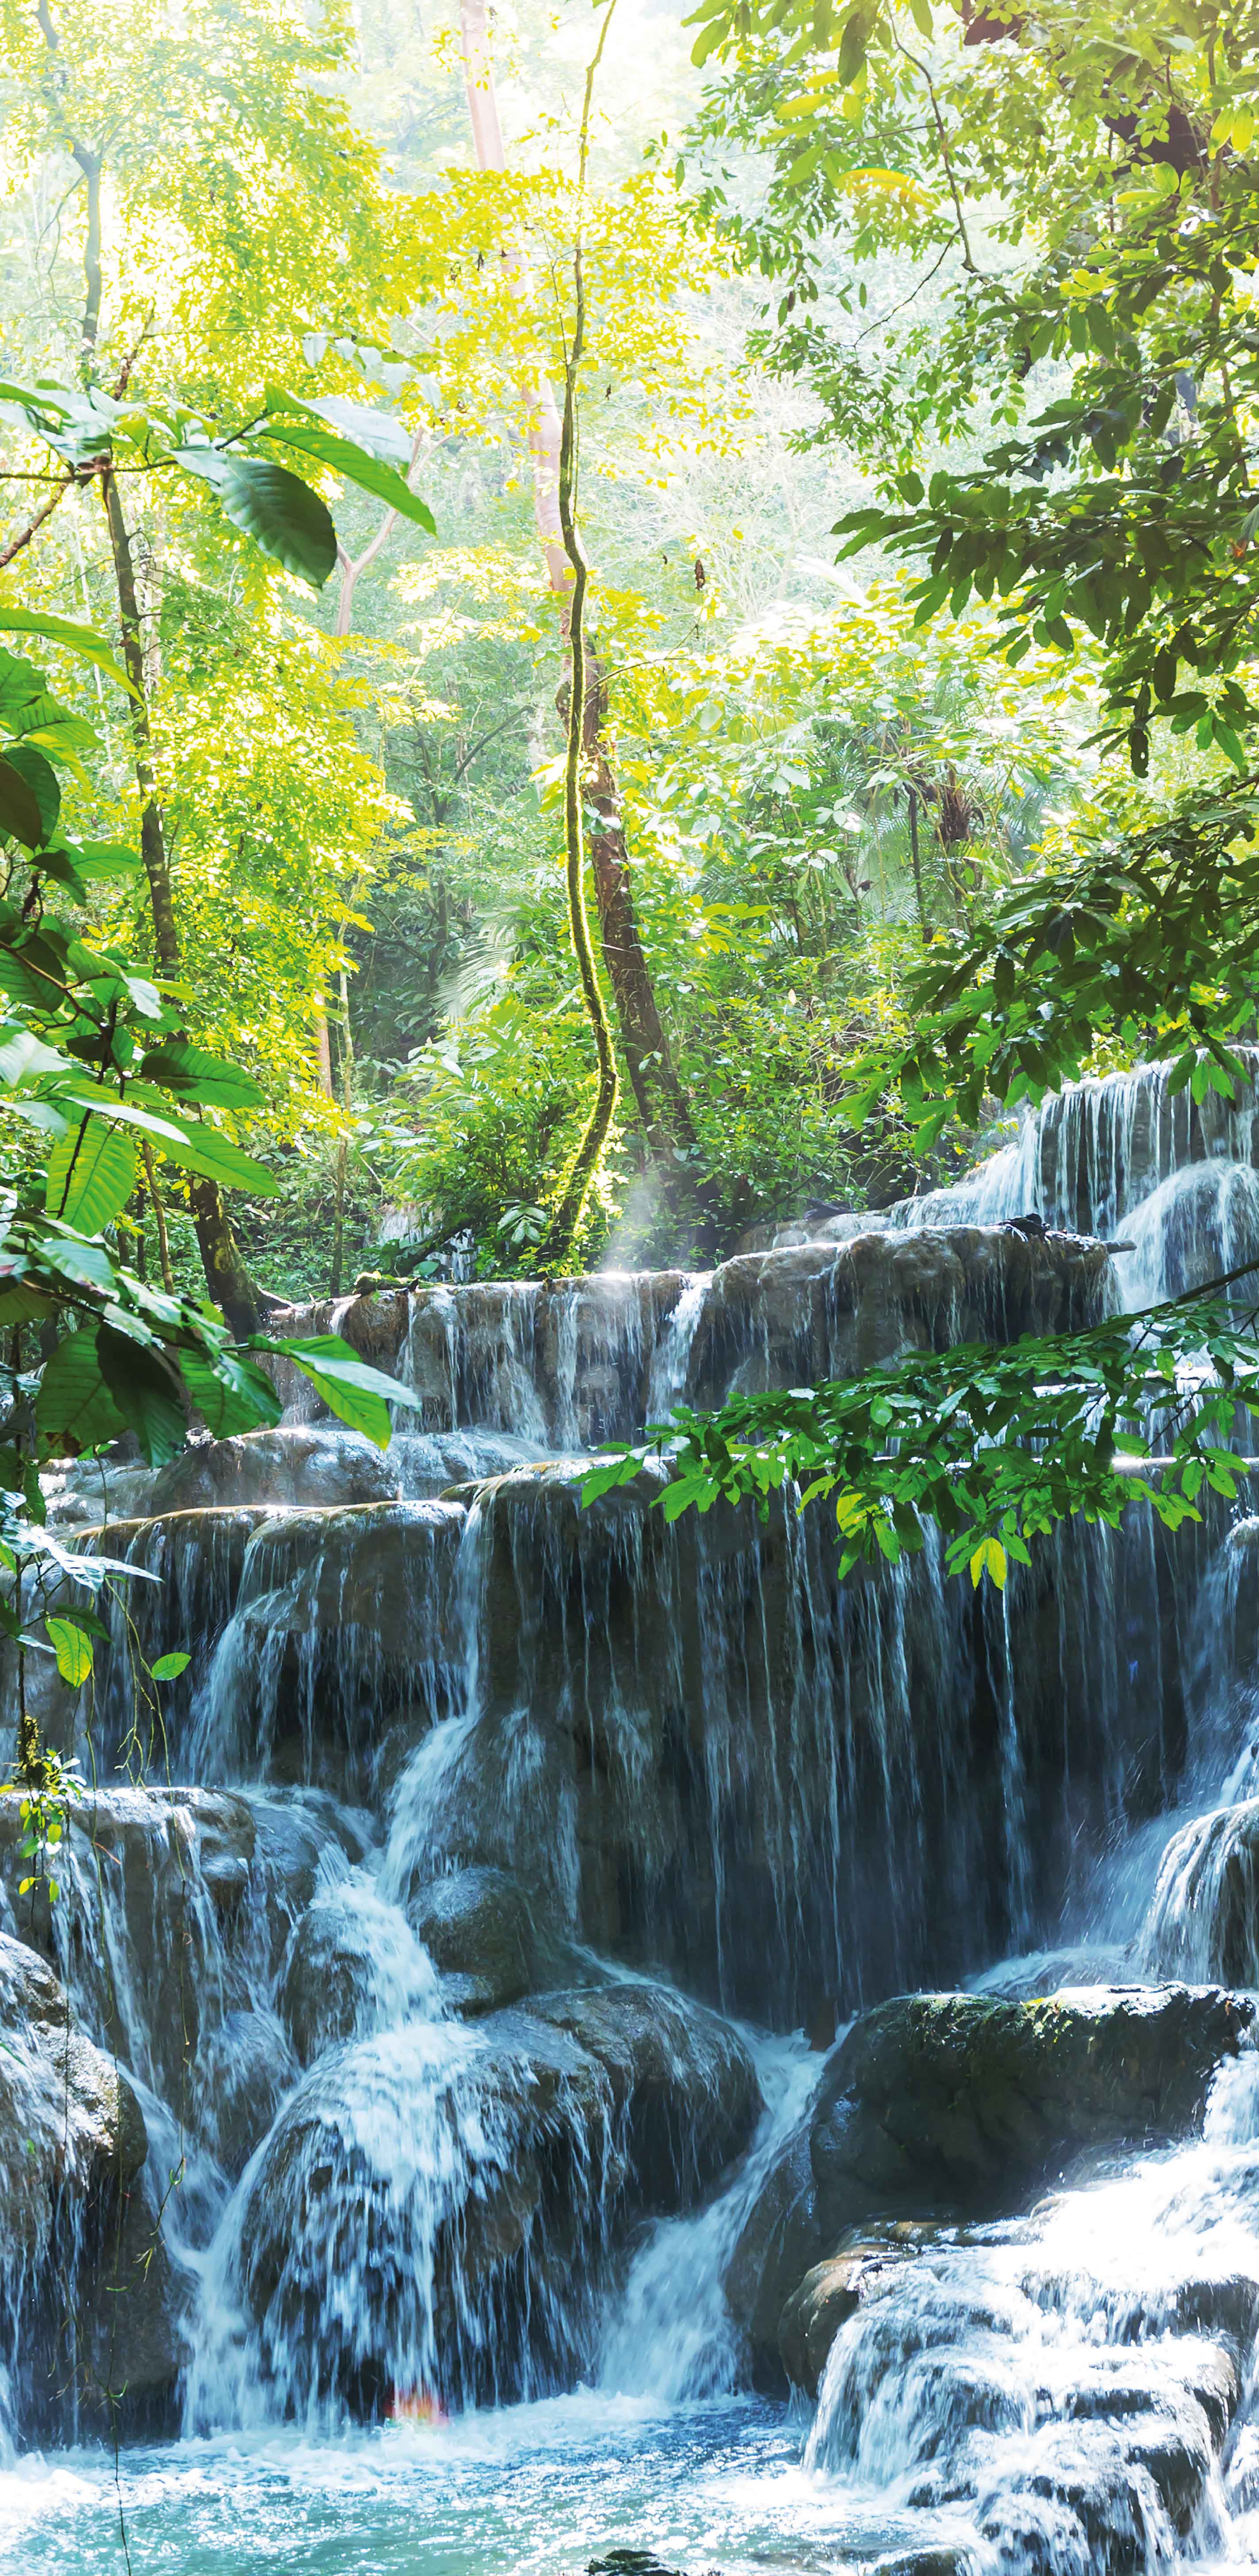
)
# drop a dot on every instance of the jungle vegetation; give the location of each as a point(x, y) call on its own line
point(575, 686)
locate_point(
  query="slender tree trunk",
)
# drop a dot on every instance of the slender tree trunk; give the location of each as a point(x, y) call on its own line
point(343, 1140)
point(916, 856)
point(658, 1094)
point(226, 1275)
point(557, 1248)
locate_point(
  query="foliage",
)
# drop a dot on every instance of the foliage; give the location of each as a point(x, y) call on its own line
point(1150, 940)
point(1119, 250)
point(994, 1445)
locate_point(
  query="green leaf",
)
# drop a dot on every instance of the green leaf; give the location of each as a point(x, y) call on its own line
point(377, 431)
point(357, 1393)
point(103, 858)
point(230, 1394)
point(74, 1409)
point(215, 1158)
point(91, 1175)
point(145, 1394)
point(73, 1651)
point(20, 818)
point(43, 782)
point(190, 1071)
point(382, 481)
point(169, 1667)
point(272, 506)
point(63, 630)
point(852, 47)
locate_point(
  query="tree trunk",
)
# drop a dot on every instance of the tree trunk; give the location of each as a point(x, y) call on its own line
point(658, 1094)
point(226, 1276)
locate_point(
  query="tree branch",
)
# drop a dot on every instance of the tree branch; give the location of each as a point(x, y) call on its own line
point(24, 536)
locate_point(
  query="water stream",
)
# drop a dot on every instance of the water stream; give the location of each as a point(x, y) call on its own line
point(511, 1848)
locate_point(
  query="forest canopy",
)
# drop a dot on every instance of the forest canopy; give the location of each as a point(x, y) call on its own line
point(573, 692)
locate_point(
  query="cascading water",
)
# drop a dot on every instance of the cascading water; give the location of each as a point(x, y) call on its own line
point(408, 2006)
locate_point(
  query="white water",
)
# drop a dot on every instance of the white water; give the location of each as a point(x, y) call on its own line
point(973, 2406)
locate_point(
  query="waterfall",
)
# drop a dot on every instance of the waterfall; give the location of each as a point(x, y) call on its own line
point(500, 1852)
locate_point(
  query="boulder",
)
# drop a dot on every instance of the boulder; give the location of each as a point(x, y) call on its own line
point(862, 2269)
point(959, 2104)
point(439, 2204)
point(1204, 1915)
point(353, 1966)
point(79, 2239)
point(423, 2214)
point(243, 2072)
point(779, 2242)
point(297, 1465)
point(477, 1926)
point(681, 2080)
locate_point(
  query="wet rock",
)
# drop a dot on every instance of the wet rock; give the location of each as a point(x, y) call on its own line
point(836, 1311)
point(477, 1926)
point(353, 1966)
point(134, 2318)
point(294, 1464)
point(833, 2291)
point(426, 2210)
point(780, 2241)
point(243, 2074)
point(681, 2080)
point(952, 2102)
point(73, 2145)
point(1204, 1916)
point(630, 2562)
point(295, 1838)
point(1048, 1972)
point(344, 1620)
point(146, 1925)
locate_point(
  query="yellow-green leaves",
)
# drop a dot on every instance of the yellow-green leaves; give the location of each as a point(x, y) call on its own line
point(357, 1393)
point(73, 1650)
point(989, 1558)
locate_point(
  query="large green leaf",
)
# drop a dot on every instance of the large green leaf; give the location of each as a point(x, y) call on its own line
point(382, 481)
point(357, 1393)
point(65, 630)
point(196, 1075)
point(204, 1151)
point(91, 1175)
point(20, 818)
point(74, 1409)
point(42, 780)
point(377, 431)
point(232, 1395)
point(103, 858)
point(145, 1393)
point(272, 506)
point(73, 1650)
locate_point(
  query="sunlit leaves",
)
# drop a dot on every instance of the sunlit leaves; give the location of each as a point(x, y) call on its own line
point(73, 1650)
point(995, 1445)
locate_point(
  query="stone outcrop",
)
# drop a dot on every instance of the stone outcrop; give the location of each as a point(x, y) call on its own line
point(939, 2111)
point(296, 1466)
point(469, 2172)
point(87, 2292)
point(1204, 1917)
point(578, 1361)
point(478, 1927)
point(681, 2081)
point(960, 2104)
